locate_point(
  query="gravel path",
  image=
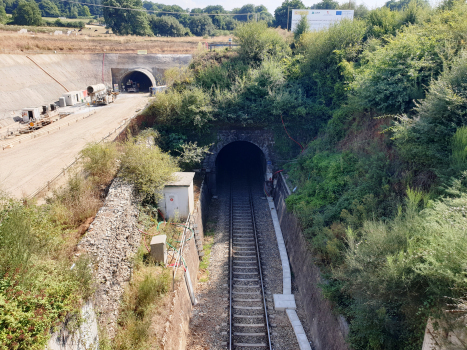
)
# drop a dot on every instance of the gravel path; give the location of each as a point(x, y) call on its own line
point(209, 322)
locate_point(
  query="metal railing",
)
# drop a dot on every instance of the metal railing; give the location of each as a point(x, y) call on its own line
point(179, 251)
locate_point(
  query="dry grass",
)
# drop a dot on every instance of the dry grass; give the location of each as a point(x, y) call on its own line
point(90, 41)
point(142, 301)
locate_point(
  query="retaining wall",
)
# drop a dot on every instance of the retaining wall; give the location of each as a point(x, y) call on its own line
point(177, 324)
point(24, 84)
point(328, 331)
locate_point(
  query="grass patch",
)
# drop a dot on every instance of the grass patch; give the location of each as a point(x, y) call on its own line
point(140, 303)
point(204, 263)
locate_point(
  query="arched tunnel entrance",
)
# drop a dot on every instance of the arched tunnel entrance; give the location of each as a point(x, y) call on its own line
point(240, 158)
point(144, 79)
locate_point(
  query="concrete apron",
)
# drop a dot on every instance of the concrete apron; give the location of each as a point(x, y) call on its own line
point(286, 300)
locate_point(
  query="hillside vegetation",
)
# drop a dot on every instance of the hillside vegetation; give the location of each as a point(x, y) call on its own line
point(379, 105)
point(43, 280)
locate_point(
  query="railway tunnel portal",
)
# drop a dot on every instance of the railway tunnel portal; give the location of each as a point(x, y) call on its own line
point(143, 77)
point(249, 151)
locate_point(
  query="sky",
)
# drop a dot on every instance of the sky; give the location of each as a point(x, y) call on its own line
point(270, 4)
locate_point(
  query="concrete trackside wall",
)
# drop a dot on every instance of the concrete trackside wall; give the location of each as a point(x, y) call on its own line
point(328, 331)
point(34, 80)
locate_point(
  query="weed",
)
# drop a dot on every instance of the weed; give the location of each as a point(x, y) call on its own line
point(204, 263)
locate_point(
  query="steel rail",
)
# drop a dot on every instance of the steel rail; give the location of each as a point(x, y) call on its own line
point(253, 219)
point(230, 265)
point(253, 225)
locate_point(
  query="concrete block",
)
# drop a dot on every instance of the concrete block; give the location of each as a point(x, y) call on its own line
point(284, 301)
point(159, 249)
point(303, 342)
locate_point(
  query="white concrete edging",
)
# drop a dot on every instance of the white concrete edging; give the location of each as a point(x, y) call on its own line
point(286, 301)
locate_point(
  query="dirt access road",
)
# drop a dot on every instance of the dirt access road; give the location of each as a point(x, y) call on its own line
point(30, 164)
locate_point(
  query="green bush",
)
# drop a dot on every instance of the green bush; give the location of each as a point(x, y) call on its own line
point(189, 108)
point(100, 161)
point(37, 288)
point(27, 13)
point(167, 26)
point(147, 167)
point(258, 42)
point(323, 52)
point(426, 140)
point(406, 269)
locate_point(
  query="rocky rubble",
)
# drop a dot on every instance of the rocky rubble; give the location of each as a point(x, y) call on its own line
point(112, 240)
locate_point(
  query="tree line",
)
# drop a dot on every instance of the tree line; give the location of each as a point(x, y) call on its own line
point(149, 18)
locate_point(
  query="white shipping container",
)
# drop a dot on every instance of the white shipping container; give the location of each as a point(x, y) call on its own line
point(73, 97)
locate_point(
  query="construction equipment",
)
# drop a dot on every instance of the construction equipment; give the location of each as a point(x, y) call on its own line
point(101, 94)
point(36, 118)
point(133, 87)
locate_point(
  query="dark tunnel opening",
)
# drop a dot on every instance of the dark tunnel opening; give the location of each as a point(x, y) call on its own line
point(240, 158)
point(138, 77)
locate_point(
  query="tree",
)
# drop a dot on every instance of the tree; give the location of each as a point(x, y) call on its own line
point(264, 15)
point(148, 5)
point(181, 14)
point(224, 22)
point(27, 13)
point(248, 8)
point(302, 27)
point(326, 5)
point(3, 16)
point(280, 14)
point(125, 22)
point(201, 25)
point(214, 9)
point(401, 4)
point(167, 26)
point(49, 9)
point(73, 12)
point(360, 11)
point(84, 11)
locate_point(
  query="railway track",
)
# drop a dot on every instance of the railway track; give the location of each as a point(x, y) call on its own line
point(248, 316)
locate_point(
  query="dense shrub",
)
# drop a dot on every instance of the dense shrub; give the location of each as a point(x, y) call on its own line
point(425, 140)
point(325, 54)
point(415, 262)
point(37, 288)
point(258, 42)
point(147, 167)
point(167, 26)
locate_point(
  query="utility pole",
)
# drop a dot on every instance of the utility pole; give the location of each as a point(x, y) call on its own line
point(288, 9)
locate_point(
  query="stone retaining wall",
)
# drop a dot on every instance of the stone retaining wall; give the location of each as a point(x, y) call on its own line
point(112, 241)
point(328, 331)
